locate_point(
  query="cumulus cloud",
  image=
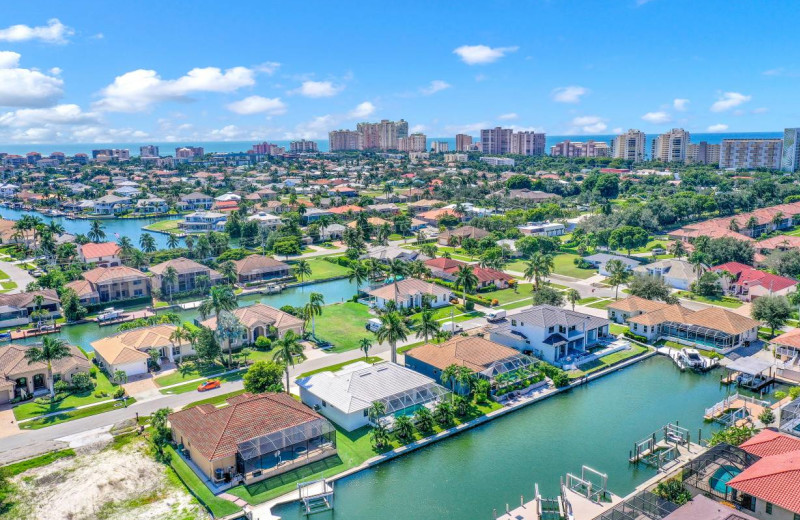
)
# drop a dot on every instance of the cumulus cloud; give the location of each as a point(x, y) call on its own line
point(657, 117)
point(363, 110)
point(54, 32)
point(140, 89)
point(435, 86)
point(728, 100)
point(482, 54)
point(588, 125)
point(317, 128)
point(318, 89)
point(681, 104)
point(57, 115)
point(571, 94)
point(719, 127)
point(258, 105)
point(417, 129)
point(268, 67)
point(26, 88)
point(508, 117)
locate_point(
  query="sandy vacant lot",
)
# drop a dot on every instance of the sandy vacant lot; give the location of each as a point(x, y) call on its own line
point(115, 481)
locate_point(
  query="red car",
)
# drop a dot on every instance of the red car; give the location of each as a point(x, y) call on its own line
point(209, 385)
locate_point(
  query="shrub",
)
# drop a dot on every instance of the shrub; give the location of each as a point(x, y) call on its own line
point(119, 393)
point(93, 372)
point(61, 386)
point(469, 306)
point(635, 337)
point(100, 394)
point(495, 302)
point(263, 343)
point(81, 381)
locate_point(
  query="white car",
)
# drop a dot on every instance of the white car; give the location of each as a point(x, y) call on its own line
point(373, 324)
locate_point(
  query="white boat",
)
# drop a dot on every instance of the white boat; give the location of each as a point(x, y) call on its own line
point(109, 314)
point(692, 358)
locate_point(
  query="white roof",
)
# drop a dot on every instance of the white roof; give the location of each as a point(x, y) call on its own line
point(358, 385)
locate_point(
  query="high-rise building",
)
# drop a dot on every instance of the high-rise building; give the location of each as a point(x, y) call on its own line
point(527, 143)
point(340, 140)
point(790, 157)
point(189, 152)
point(750, 153)
point(440, 146)
point(629, 146)
point(671, 146)
point(578, 149)
point(496, 140)
point(702, 153)
point(413, 143)
point(303, 146)
point(149, 150)
point(463, 142)
point(383, 135)
point(266, 148)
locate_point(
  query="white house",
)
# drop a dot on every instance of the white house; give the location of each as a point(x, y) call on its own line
point(331, 232)
point(204, 221)
point(345, 396)
point(543, 229)
point(111, 205)
point(551, 333)
point(410, 294)
point(600, 260)
point(678, 274)
point(266, 220)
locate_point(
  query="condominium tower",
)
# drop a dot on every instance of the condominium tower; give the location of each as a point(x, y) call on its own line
point(413, 143)
point(303, 146)
point(790, 157)
point(501, 141)
point(702, 153)
point(750, 153)
point(671, 146)
point(345, 140)
point(629, 146)
point(577, 149)
point(463, 142)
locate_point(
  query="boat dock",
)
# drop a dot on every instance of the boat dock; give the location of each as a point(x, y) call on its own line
point(737, 410)
point(663, 449)
point(317, 496)
point(128, 316)
point(701, 364)
point(30, 333)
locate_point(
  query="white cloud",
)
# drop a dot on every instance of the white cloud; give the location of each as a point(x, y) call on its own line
point(482, 54)
point(417, 129)
point(57, 115)
point(680, 104)
point(469, 128)
point(657, 117)
point(317, 128)
point(139, 89)
point(99, 134)
point(618, 130)
point(53, 32)
point(588, 125)
point(317, 89)
point(508, 117)
point(571, 94)
point(435, 86)
point(729, 100)
point(717, 128)
point(258, 105)
point(268, 67)
point(363, 110)
point(26, 87)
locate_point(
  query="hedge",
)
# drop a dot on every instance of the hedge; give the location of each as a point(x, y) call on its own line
point(218, 507)
point(635, 337)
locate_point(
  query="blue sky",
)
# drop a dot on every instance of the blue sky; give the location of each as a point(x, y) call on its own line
point(91, 71)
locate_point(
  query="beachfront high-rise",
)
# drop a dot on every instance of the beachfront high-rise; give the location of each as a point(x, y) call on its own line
point(629, 146)
point(750, 153)
point(303, 146)
point(578, 149)
point(417, 142)
point(343, 140)
point(463, 142)
point(527, 143)
point(500, 141)
point(702, 153)
point(790, 156)
point(149, 150)
point(671, 146)
point(383, 135)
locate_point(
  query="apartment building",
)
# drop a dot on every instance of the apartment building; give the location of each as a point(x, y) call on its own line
point(750, 153)
point(266, 148)
point(417, 142)
point(303, 146)
point(790, 155)
point(578, 149)
point(496, 140)
point(149, 150)
point(630, 146)
point(527, 143)
point(703, 153)
point(463, 142)
point(440, 146)
point(383, 135)
point(671, 146)
point(342, 140)
point(189, 152)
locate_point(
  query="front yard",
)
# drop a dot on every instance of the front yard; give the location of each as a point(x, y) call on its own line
point(563, 264)
point(722, 301)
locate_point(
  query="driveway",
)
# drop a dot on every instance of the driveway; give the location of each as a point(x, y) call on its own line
point(18, 275)
point(8, 424)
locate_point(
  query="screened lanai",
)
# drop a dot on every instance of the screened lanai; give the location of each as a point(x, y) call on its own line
point(507, 365)
point(642, 506)
point(276, 451)
point(790, 418)
point(710, 473)
point(699, 334)
point(409, 401)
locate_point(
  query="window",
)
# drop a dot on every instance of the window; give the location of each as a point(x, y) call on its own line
point(176, 351)
point(513, 323)
point(797, 516)
point(551, 329)
point(768, 508)
point(324, 404)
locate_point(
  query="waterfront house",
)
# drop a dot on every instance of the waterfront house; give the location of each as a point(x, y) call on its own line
point(447, 269)
point(18, 378)
point(203, 222)
point(111, 284)
point(253, 437)
point(386, 254)
point(551, 333)
point(129, 350)
point(677, 273)
point(16, 309)
point(748, 283)
point(600, 261)
point(189, 272)
point(410, 293)
point(256, 268)
point(151, 206)
point(620, 310)
point(195, 201)
point(111, 205)
point(104, 254)
point(261, 320)
point(345, 396)
point(266, 220)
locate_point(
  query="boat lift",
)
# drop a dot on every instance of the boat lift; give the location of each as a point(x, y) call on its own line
point(661, 446)
point(316, 495)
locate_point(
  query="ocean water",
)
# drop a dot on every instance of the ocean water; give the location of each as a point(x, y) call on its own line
point(243, 146)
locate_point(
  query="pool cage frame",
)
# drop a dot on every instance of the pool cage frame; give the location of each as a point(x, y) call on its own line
point(424, 394)
point(698, 334)
point(698, 472)
point(504, 366)
point(790, 418)
point(276, 443)
point(640, 506)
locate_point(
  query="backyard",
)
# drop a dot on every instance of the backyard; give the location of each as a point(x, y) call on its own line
point(563, 264)
point(607, 361)
point(167, 226)
point(344, 325)
point(321, 269)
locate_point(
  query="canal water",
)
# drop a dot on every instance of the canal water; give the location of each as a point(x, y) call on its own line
point(468, 475)
point(335, 291)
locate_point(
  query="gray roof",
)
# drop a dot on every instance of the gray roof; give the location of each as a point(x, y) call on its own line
point(672, 267)
point(602, 258)
point(548, 315)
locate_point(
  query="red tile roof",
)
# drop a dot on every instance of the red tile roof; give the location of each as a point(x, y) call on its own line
point(748, 276)
point(774, 479)
point(91, 250)
point(770, 442)
point(445, 264)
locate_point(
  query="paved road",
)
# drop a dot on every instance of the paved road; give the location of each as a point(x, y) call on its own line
point(16, 274)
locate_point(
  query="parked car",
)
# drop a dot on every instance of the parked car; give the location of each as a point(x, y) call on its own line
point(373, 324)
point(209, 385)
point(496, 315)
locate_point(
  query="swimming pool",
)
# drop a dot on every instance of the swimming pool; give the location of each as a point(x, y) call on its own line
point(719, 480)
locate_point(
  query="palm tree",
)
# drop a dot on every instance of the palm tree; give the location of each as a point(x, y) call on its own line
point(365, 344)
point(618, 274)
point(396, 270)
point(678, 249)
point(572, 297)
point(52, 349)
point(392, 330)
point(228, 270)
point(314, 308)
point(173, 241)
point(376, 410)
point(466, 280)
point(177, 336)
point(302, 269)
point(170, 278)
point(96, 233)
point(734, 225)
point(358, 274)
point(403, 428)
point(147, 243)
point(752, 224)
point(221, 298)
point(286, 350)
point(540, 266)
point(428, 326)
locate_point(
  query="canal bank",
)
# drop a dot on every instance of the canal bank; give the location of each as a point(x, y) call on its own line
point(470, 474)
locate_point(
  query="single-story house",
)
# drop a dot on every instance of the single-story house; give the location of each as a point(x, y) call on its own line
point(16, 309)
point(258, 319)
point(748, 283)
point(18, 378)
point(410, 293)
point(543, 229)
point(455, 236)
point(677, 273)
point(255, 268)
point(388, 253)
point(129, 350)
point(104, 254)
point(600, 260)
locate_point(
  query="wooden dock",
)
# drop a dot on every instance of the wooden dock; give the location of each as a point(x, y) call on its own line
point(30, 333)
point(128, 316)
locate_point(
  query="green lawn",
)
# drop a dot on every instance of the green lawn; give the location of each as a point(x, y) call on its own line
point(44, 422)
point(443, 314)
point(31, 409)
point(562, 264)
point(516, 305)
point(338, 366)
point(607, 361)
point(406, 348)
point(617, 329)
point(601, 304)
point(219, 506)
point(344, 325)
point(724, 301)
point(188, 371)
point(169, 225)
point(509, 295)
point(590, 299)
point(192, 387)
point(322, 269)
point(37, 462)
point(216, 400)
